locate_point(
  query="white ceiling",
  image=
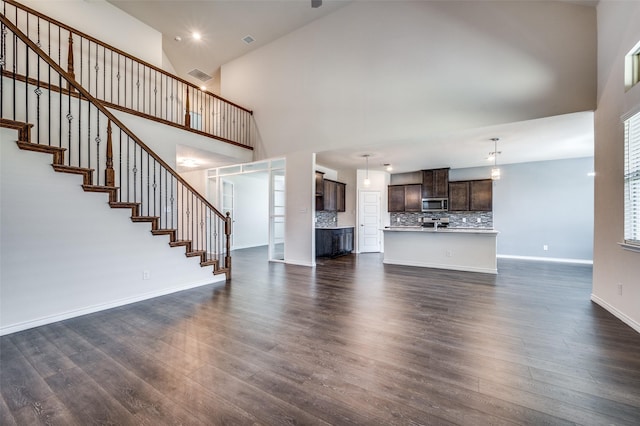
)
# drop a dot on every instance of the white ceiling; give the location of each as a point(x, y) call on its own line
point(563, 136)
point(223, 24)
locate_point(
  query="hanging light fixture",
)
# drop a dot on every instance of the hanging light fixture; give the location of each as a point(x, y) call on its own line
point(367, 182)
point(495, 171)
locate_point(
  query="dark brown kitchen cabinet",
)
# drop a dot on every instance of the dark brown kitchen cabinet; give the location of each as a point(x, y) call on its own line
point(405, 198)
point(330, 194)
point(341, 189)
point(396, 198)
point(319, 184)
point(413, 198)
point(459, 196)
point(435, 183)
point(332, 242)
point(471, 195)
point(319, 191)
point(481, 195)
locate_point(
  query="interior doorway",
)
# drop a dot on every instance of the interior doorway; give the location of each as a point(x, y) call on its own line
point(369, 218)
point(253, 193)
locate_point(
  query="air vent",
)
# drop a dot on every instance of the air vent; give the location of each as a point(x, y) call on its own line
point(248, 39)
point(202, 76)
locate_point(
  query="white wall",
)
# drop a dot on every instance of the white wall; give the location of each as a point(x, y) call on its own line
point(300, 192)
point(542, 203)
point(350, 216)
point(163, 140)
point(618, 32)
point(64, 252)
point(107, 23)
point(383, 71)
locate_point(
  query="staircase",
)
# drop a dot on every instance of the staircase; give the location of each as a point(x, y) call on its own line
point(54, 114)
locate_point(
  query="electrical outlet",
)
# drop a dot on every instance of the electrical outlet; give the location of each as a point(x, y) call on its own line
point(398, 219)
point(545, 247)
point(448, 253)
point(464, 220)
point(146, 275)
point(620, 289)
point(478, 220)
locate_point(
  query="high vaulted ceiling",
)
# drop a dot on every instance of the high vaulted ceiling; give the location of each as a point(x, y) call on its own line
point(223, 24)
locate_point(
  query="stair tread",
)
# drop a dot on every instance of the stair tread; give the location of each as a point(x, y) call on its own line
point(39, 147)
point(195, 253)
point(99, 188)
point(145, 218)
point(163, 231)
point(72, 169)
point(179, 243)
point(212, 262)
point(122, 204)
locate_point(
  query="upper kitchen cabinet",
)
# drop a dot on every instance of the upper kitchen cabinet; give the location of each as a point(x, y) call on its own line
point(330, 195)
point(471, 195)
point(396, 198)
point(481, 195)
point(341, 189)
point(459, 196)
point(405, 198)
point(319, 184)
point(435, 183)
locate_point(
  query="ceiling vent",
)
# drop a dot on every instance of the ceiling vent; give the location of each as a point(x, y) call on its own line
point(248, 39)
point(202, 76)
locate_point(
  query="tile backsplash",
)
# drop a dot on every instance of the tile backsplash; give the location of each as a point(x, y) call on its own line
point(326, 219)
point(456, 219)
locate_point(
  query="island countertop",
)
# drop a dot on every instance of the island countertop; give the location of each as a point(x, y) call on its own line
point(440, 230)
point(460, 249)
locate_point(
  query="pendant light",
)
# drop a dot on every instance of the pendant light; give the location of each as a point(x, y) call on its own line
point(367, 182)
point(495, 171)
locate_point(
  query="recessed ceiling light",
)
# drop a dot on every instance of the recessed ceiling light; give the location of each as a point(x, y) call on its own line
point(177, 38)
point(189, 162)
point(203, 87)
point(248, 39)
point(196, 35)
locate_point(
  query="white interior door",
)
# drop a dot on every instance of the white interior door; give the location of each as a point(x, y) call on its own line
point(369, 217)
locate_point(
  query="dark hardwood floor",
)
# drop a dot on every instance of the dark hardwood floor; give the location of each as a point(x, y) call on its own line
point(352, 341)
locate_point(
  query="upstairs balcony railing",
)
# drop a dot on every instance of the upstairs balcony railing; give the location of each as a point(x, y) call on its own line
point(127, 83)
point(89, 140)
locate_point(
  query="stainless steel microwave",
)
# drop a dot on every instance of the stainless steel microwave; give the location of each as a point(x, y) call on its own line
point(435, 204)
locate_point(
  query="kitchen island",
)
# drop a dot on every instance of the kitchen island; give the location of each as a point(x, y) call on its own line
point(460, 249)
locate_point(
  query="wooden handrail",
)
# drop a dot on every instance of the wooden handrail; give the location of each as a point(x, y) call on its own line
point(98, 104)
point(120, 52)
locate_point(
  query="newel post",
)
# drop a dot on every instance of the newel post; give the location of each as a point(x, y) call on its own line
point(70, 69)
point(187, 116)
point(227, 233)
point(109, 173)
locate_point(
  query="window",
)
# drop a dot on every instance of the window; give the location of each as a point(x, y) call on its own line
point(632, 180)
point(632, 67)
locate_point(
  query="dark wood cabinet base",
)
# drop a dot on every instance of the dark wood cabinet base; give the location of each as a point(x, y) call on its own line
point(334, 242)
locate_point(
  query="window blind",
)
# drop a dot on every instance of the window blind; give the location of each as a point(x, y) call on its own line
point(632, 180)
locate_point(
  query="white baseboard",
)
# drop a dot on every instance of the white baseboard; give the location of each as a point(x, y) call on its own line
point(616, 313)
point(299, 263)
point(546, 259)
point(14, 328)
